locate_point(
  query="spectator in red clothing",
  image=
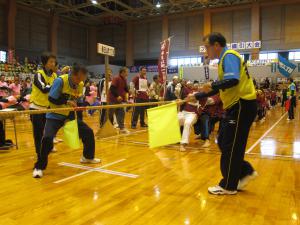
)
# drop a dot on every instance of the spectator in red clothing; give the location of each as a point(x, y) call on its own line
point(273, 98)
point(117, 94)
point(16, 87)
point(187, 89)
point(214, 108)
point(141, 96)
point(261, 103)
point(3, 85)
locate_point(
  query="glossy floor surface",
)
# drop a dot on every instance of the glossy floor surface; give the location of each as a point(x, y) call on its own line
point(135, 185)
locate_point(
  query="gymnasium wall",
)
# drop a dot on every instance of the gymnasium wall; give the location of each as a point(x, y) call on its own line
point(235, 25)
point(187, 35)
point(187, 32)
point(280, 30)
point(113, 35)
point(72, 43)
point(146, 39)
point(3, 27)
point(280, 27)
point(31, 34)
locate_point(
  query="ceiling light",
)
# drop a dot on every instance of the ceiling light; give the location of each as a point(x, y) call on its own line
point(158, 5)
point(94, 2)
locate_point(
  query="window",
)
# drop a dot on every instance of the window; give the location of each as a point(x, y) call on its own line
point(291, 55)
point(272, 55)
point(173, 62)
point(187, 61)
point(194, 60)
point(180, 61)
point(263, 56)
point(3, 56)
point(268, 56)
point(294, 55)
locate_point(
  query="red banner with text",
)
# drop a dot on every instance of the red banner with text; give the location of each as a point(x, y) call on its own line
point(163, 60)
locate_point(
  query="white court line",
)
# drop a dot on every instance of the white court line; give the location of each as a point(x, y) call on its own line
point(85, 172)
point(265, 134)
point(270, 156)
point(123, 135)
point(92, 169)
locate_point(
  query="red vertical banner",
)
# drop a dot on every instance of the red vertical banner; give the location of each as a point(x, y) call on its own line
point(163, 61)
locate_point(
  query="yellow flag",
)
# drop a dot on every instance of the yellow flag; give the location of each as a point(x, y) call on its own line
point(181, 72)
point(71, 136)
point(163, 125)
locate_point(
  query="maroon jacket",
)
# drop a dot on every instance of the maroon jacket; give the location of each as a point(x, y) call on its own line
point(117, 88)
point(139, 94)
point(215, 110)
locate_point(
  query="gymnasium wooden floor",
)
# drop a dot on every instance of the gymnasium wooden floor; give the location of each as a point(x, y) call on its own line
point(136, 185)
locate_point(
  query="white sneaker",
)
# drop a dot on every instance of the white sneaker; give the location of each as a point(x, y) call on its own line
point(124, 131)
point(206, 144)
point(37, 173)
point(57, 140)
point(90, 161)
point(244, 182)
point(217, 190)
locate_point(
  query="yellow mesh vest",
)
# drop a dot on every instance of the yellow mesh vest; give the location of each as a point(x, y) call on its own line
point(74, 94)
point(245, 88)
point(37, 97)
point(289, 89)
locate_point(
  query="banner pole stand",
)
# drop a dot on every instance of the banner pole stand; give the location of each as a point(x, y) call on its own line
point(107, 130)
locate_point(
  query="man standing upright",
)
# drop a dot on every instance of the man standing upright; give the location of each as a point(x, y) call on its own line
point(292, 97)
point(238, 95)
point(118, 94)
point(141, 95)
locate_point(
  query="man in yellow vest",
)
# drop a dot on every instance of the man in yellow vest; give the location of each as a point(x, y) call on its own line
point(291, 94)
point(64, 93)
point(238, 95)
point(42, 83)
